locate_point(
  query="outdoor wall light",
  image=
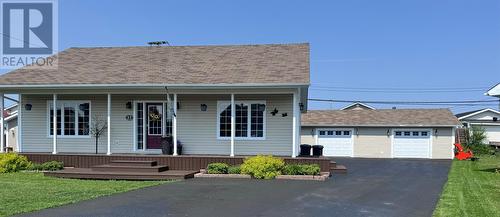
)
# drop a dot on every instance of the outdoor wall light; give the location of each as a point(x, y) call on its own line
point(357, 131)
point(83, 106)
point(301, 106)
point(128, 105)
point(129, 117)
point(203, 107)
point(262, 107)
point(388, 132)
point(495, 119)
point(284, 114)
point(28, 107)
point(178, 105)
point(274, 112)
point(436, 132)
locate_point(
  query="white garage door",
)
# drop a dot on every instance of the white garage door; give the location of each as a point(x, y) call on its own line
point(336, 142)
point(412, 143)
point(492, 133)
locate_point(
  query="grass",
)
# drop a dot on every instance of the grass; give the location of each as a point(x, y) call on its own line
point(473, 189)
point(26, 191)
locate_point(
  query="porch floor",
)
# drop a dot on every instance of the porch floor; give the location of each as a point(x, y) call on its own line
point(88, 173)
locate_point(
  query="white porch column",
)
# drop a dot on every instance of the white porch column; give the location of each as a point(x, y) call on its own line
point(109, 125)
point(295, 103)
point(233, 123)
point(54, 121)
point(174, 125)
point(19, 137)
point(2, 141)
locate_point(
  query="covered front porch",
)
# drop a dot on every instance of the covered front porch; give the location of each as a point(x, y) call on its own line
point(202, 121)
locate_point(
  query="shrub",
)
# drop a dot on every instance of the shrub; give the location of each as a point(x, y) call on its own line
point(476, 141)
point(217, 168)
point(34, 166)
point(12, 162)
point(292, 169)
point(234, 170)
point(52, 166)
point(301, 169)
point(310, 169)
point(263, 167)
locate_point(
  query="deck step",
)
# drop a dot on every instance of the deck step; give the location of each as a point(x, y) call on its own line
point(86, 173)
point(139, 168)
point(134, 162)
point(333, 164)
point(339, 169)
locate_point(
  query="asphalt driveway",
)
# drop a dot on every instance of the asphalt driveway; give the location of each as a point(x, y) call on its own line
point(373, 187)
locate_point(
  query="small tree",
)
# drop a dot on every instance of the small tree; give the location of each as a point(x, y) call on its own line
point(97, 128)
point(476, 141)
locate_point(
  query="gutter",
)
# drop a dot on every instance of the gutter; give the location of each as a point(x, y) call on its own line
point(158, 85)
point(353, 125)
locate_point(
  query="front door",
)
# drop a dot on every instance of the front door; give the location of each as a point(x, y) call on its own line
point(154, 125)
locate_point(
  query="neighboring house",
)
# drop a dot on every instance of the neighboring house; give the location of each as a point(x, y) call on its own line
point(358, 106)
point(144, 93)
point(488, 119)
point(10, 122)
point(383, 133)
point(494, 91)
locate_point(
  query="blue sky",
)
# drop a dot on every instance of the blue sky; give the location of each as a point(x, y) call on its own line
point(417, 44)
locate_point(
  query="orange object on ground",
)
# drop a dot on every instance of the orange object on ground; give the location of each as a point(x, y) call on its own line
point(461, 154)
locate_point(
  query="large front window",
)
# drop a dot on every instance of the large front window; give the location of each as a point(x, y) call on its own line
point(249, 119)
point(73, 118)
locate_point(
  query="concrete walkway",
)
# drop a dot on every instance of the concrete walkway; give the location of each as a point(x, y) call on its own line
point(373, 187)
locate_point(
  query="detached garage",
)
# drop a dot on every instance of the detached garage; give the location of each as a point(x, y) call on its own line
point(384, 133)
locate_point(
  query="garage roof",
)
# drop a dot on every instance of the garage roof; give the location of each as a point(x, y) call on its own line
point(381, 118)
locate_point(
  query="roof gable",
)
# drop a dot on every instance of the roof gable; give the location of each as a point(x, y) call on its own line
point(191, 65)
point(479, 115)
point(358, 106)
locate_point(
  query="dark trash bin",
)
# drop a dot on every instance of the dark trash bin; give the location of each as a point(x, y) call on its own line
point(179, 147)
point(167, 146)
point(305, 150)
point(317, 150)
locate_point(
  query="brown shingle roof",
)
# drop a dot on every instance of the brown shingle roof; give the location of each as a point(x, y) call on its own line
point(229, 64)
point(381, 117)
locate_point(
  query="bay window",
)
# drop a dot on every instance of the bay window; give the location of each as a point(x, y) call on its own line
point(249, 120)
point(73, 118)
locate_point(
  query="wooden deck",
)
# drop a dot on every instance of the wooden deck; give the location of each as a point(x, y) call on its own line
point(87, 173)
point(181, 162)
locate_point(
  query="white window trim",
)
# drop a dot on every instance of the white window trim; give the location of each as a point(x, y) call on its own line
point(162, 119)
point(223, 104)
point(61, 102)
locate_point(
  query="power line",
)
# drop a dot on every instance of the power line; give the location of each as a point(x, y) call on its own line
point(394, 91)
point(440, 103)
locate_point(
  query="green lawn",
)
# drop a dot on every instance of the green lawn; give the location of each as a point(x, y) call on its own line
point(25, 192)
point(473, 189)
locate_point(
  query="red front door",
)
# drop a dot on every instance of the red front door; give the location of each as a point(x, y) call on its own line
point(154, 125)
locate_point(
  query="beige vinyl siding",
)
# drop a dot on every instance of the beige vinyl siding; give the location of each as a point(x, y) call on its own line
point(197, 130)
point(307, 135)
point(442, 143)
point(372, 143)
